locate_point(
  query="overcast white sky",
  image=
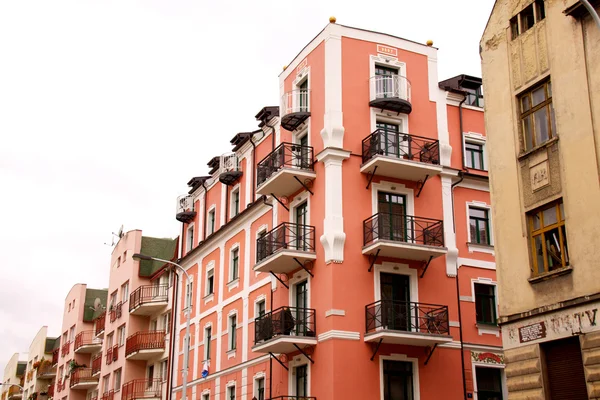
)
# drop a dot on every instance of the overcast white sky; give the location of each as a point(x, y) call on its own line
point(108, 107)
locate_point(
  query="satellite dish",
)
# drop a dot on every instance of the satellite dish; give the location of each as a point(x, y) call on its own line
point(97, 304)
point(120, 234)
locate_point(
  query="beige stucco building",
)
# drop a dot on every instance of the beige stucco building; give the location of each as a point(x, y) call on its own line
point(40, 373)
point(13, 377)
point(541, 75)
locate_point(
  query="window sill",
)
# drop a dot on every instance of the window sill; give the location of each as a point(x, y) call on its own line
point(547, 143)
point(488, 329)
point(481, 248)
point(209, 298)
point(231, 354)
point(552, 274)
point(233, 284)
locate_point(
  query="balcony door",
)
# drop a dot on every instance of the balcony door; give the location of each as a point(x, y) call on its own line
point(390, 141)
point(397, 380)
point(302, 153)
point(301, 304)
point(303, 96)
point(392, 216)
point(385, 81)
point(395, 302)
point(301, 220)
point(301, 382)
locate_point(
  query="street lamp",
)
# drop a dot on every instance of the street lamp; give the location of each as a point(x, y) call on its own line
point(187, 311)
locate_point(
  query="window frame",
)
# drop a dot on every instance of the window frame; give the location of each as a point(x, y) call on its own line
point(471, 154)
point(232, 332)
point(211, 221)
point(530, 114)
point(189, 237)
point(234, 264)
point(121, 335)
point(533, 233)
point(117, 374)
point(207, 340)
point(478, 220)
point(234, 210)
point(230, 392)
point(493, 298)
point(210, 273)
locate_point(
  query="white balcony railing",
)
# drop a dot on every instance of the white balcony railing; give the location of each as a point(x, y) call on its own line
point(389, 87)
point(296, 101)
point(184, 202)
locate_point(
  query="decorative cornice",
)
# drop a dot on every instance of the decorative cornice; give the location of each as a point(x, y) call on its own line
point(344, 335)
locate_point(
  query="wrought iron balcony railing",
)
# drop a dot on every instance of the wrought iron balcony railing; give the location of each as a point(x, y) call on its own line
point(110, 395)
point(148, 294)
point(145, 341)
point(112, 354)
point(100, 323)
point(403, 228)
point(64, 350)
point(142, 389)
point(386, 142)
point(407, 317)
point(55, 353)
point(116, 311)
point(286, 321)
point(86, 338)
point(96, 363)
point(286, 155)
point(287, 236)
point(82, 375)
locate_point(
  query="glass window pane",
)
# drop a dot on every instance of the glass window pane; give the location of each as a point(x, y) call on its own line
point(549, 216)
point(528, 132)
point(541, 126)
point(553, 249)
point(565, 247)
point(549, 86)
point(473, 227)
point(562, 212)
point(552, 121)
point(539, 95)
point(478, 212)
point(539, 254)
point(536, 221)
point(525, 103)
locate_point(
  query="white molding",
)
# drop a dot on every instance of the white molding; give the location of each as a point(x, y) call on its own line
point(449, 234)
point(230, 280)
point(454, 324)
point(210, 209)
point(478, 248)
point(471, 262)
point(224, 198)
point(399, 269)
point(233, 284)
point(388, 117)
point(442, 125)
point(481, 205)
point(259, 299)
point(299, 277)
point(475, 184)
point(334, 312)
point(240, 205)
point(415, 372)
point(298, 361)
point(502, 377)
point(393, 187)
point(298, 200)
point(336, 334)
point(479, 139)
point(488, 331)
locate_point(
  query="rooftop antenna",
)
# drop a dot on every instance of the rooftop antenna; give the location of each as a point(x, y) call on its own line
point(119, 234)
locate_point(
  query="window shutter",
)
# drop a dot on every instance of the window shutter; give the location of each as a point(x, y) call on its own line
point(566, 377)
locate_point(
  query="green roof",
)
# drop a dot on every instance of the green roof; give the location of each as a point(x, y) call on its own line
point(21, 366)
point(90, 296)
point(159, 248)
point(50, 345)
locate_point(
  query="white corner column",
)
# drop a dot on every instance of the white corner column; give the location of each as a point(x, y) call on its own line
point(449, 235)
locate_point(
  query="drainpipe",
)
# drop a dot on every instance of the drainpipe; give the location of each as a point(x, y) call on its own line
point(462, 135)
point(592, 11)
point(253, 164)
point(461, 176)
point(205, 205)
point(172, 336)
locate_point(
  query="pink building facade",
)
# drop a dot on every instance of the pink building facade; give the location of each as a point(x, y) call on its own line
point(344, 248)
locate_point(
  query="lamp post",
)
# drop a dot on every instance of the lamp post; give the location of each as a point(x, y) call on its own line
point(187, 311)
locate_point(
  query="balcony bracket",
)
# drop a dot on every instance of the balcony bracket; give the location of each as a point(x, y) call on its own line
point(304, 267)
point(304, 353)
point(373, 259)
point(307, 184)
point(430, 352)
point(426, 266)
point(371, 175)
point(376, 349)
point(420, 184)
point(279, 361)
point(280, 280)
point(281, 201)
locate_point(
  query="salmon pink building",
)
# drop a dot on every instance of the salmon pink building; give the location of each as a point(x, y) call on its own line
point(343, 250)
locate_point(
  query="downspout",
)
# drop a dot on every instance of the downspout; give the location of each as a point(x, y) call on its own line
point(462, 135)
point(172, 335)
point(205, 205)
point(253, 165)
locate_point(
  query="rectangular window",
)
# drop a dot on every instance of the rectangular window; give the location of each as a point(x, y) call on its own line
point(260, 389)
point(190, 238)
point(206, 396)
point(234, 270)
point(537, 116)
point(163, 370)
point(485, 303)
point(166, 322)
point(117, 380)
point(231, 393)
point(210, 281)
point(235, 202)
point(121, 335)
point(540, 10)
point(232, 331)
point(110, 339)
point(397, 380)
point(72, 333)
point(514, 27)
point(474, 156)
point(262, 246)
point(210, 228)
point(527, 18)
point(489, 383)
point(113, 299)
point(125, 292)
point(207, 340)
point(548, 238)
point(106, 383)
point(474, 97)
point(260, 308)
point(479, 225)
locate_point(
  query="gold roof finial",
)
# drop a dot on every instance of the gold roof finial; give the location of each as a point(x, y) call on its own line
point(332, 20)
point(430, 43)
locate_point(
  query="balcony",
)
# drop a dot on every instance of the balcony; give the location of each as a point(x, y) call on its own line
point(285, 248)
point(142, 389)
point(55, 353)
point(112, 354)
point(96, 364)
point(46, 370)
point(401, 322)
point(51, 389)
point(390, 93)
point(399, 155)
point(14, 392)
point(110, 395)
point(285, 170)
point(148, 300)
point(403, 236)
point(296, 108)
point(82, 379)
point(65, 349)
point(285, 330)
point(230, 169)
point(116, 311)
point(145, 345)
point(100, 324)
point(86, 342)
point(185, 209)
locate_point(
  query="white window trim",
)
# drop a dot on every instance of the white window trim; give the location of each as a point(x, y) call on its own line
point(212, 208)
point(475, 138)
point(187, 237)
point(255, 378)
point(300, 199)
point(299, 277)
point(389, 117)
point(396, 188)
point(231, 209)
point(204, 393)
point(233, 283)
point(230, 384)
point(502, 376)
point(298, 361)
point(398, 269)
point(260, 298)
point(209, 267)
point(207, 326)
point(476, 247)
point(415, 372)
point(485, 330)
point(261, 229)
point(231, 313)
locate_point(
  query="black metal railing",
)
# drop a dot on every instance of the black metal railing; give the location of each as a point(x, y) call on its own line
point(385, 142)
point(403, 228)
point(288, 236)
point(148, 294)
point(407, 317)
point(286, 155)
point(286, 321)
